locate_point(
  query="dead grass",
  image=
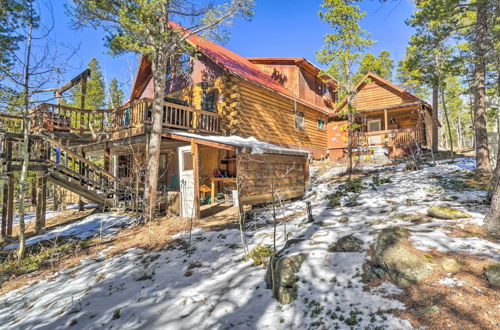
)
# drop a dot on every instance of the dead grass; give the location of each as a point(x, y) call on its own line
point(474, 305)
point(471, 230)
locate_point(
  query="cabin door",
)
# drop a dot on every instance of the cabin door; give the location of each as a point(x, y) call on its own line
point(186, 178)
point(374, 126)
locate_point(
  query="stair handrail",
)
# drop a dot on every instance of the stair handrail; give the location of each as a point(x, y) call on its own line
point(80, 158)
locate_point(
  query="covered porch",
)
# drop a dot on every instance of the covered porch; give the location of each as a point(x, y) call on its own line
point(201, 175)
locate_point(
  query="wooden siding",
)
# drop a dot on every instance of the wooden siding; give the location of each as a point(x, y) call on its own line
point(397, 119)
point(257, 174)
point(284, 74)
point(271, 117)
point(376, 94)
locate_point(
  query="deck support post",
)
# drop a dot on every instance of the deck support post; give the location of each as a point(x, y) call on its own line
point(8, 192)
point(114, 160)
point(107, 157)
point(385, 120)
point(41, 205)
point(81, 204)
point(196, 183)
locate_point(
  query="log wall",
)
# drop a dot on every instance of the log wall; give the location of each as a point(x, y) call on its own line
point(257, 174)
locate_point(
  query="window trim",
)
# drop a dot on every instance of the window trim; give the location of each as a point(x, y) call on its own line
point(379, 121)
point(317, 124)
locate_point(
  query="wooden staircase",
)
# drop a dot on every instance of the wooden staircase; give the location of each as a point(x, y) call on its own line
point(70, 170)
point(65, 168)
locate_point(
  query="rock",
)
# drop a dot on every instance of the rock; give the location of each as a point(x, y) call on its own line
point(343, 219)
point(395, 255)
point(451, 265)
point(116, 313)
point(281, 276)
point(142, 275)
point(347, 243)
point(449, 198)
point(427, 311)
point(492, 273)
point(446, 213)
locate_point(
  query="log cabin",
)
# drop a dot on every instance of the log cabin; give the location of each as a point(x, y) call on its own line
point(390, 122)
point(234, 128)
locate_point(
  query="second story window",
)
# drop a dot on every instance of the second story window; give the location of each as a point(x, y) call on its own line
point(321, 124)
point(300, 123)
point(185, 63)
point(208, 100)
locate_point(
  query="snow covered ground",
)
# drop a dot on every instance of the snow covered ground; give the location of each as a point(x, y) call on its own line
point(97, 224)
point(214, 287)
point(30, 217)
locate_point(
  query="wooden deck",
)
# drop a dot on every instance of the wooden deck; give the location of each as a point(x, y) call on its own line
point(95, 122)
point(389, 137)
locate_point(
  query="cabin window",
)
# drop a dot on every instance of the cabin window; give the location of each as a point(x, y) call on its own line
point(185, 63)
point(187, 161)
point(374, 125)
point(300, 123)
point(208, 100)
point(124, 166)
point(321, 124)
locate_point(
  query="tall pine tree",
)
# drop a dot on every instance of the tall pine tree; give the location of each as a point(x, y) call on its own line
point(115, 94)
point(342, 51)
point(145, 27)
point(95, 98)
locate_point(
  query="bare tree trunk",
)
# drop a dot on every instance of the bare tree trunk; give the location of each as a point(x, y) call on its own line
point(492, 219)
point(435, 121)
point(443, 101)
point(349, 143)
point(23, 182)
point(480, 117)
point(159, 62)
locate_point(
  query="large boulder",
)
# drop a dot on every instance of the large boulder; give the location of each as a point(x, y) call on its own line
point(446, 213)
point(282, 272)
point(395, 255)
point(347, 243)
point(492, 273)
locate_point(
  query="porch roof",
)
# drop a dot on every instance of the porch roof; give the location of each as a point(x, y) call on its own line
point(234, 142)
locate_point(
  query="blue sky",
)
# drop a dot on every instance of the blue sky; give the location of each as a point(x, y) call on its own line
point(279, 28)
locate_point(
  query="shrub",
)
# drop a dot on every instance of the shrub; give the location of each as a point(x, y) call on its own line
point(260, 255)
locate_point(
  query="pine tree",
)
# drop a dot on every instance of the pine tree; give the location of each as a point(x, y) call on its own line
point(115, 94)
point(381, 65)
point(342, 52)
point(145, 27)
point(95, 97)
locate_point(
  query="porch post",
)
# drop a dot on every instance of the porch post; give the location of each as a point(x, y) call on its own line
point(196, 184)
point(385, 120)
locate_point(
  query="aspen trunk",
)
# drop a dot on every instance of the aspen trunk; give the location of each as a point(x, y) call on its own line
point(23, 180)
point(443, 101)
point(480, 117)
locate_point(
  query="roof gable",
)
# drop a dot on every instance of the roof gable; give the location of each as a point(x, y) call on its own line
point(392, 94)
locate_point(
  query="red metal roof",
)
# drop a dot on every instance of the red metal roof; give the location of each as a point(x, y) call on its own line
point(232, 62)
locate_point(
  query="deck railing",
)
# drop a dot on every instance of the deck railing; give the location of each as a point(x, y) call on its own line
point(11, 123)
point(50, 117)
point(389, 137)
